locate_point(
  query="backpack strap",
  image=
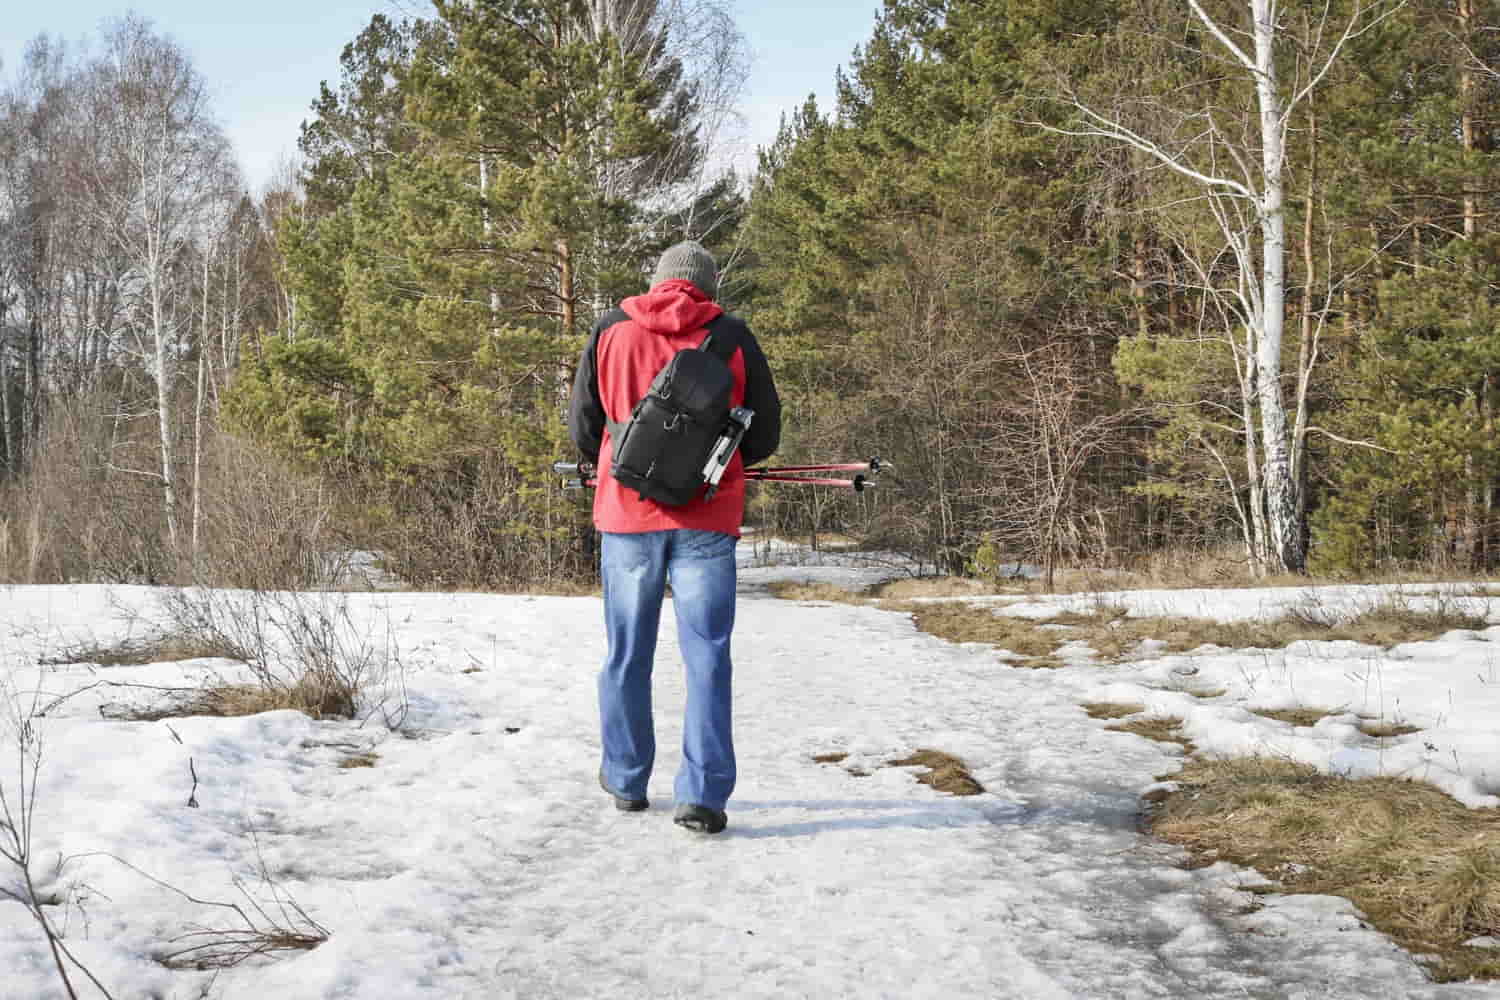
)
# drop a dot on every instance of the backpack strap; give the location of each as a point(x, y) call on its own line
point(721, 346)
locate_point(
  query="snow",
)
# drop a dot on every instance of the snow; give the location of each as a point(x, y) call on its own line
point(477, 858)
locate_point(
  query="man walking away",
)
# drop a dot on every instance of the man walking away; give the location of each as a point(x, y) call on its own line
point(646, 544)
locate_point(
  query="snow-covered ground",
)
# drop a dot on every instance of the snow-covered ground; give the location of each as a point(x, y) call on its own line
point(478, 859)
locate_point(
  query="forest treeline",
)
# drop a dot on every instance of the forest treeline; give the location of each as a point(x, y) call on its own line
point(1109, 283)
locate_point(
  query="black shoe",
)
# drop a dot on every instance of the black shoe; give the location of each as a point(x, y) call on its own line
point(700, 819)
point(621, 802)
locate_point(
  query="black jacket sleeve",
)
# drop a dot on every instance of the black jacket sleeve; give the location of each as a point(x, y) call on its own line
point(585, 409)
point(764, 435)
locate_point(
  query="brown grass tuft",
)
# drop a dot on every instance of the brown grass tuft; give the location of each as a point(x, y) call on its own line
point(1205, 693)
point(1380, 729)
point(1420, 866)
point(1161, 728)
point(965, 623)
point(931, 586)
point(366, 759)
point(946, 773)
point(140, 652)
point(1111, 710)
point(793, 590)
point(1304, 717)
point(235, 700)
point(1113, 636)
point(830, 758)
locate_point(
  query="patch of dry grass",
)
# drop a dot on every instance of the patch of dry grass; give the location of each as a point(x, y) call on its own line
point(1381, 729)
point(1421, 867)
point(1204, 693)
point(961, 622)
point(930, 587)
point(838, 757)
point(1387, 622)
point(794, 590)
point(143, 651)
point(1161, 728)
point(946, 773)
point(234, 700)
point(1111, 709)
point(1227, 567)
point(1304, 717)
point(365, 759)
point(1114, 637)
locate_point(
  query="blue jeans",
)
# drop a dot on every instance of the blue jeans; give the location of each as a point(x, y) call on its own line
point(636, 568)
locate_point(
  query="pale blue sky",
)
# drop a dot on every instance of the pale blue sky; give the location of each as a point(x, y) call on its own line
point(264, 58)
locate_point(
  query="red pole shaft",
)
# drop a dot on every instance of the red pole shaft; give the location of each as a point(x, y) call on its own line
point(835, 467)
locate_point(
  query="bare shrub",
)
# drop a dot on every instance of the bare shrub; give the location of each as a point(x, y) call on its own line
point(18, 812)
point(86, 510)
point(263, 525)
point(304, 650)
point(482, 525)
point(276, 922)
point(79, 513)
point(1042, 440)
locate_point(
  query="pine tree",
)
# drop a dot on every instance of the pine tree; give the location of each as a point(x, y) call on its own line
point(1424, 341)
point(442, 299)
point(913, 248)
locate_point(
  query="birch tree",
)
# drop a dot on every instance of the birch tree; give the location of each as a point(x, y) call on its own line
point(1239, 179)
point(152, 189)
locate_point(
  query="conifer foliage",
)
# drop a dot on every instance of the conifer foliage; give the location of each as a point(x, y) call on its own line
point(478, 187)
point(1214, 275)
point(1103, 280)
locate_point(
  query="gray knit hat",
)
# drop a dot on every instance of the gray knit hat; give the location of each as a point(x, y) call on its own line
point(688, 260)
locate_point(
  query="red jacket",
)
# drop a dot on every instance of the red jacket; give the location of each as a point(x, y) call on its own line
point(628, 347)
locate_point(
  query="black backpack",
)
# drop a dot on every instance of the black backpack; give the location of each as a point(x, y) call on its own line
point(663, 451)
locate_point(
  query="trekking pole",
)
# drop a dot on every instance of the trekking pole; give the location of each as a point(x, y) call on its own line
point(873, 466)
point(858, 484)
point(584, 475)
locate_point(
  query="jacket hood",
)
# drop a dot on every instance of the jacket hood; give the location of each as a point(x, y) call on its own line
point(673, 306)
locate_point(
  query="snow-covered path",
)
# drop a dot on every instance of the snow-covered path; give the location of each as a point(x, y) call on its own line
point(480, 860)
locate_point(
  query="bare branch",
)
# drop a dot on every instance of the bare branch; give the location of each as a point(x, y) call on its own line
point(1223, 38)
point(1313, 429)
point(1107, 128)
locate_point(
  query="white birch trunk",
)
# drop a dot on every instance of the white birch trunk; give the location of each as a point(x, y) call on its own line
point(5, 414)
point(197, 518)
point(1256, 296)
point(1284, 541)
point(163, 373)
